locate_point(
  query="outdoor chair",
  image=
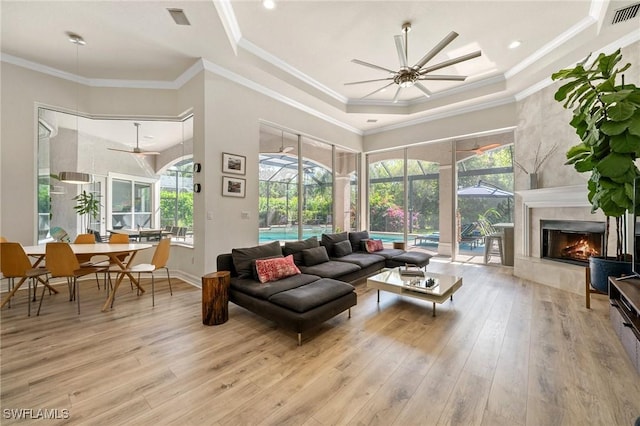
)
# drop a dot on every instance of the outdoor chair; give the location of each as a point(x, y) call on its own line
point(15, 264)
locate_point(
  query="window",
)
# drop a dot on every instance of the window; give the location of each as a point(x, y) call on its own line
point(323, 200)
point(132, 204)
point(176, 199)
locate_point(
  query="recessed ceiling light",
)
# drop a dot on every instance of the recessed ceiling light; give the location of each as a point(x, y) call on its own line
point(269, 4)
point(514, 44)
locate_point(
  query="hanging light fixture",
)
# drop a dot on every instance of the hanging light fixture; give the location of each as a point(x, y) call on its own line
point(77, 178)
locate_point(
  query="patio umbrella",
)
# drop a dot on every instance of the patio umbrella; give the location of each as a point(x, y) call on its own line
point(484, 190)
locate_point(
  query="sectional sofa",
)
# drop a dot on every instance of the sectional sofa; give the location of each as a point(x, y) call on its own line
point(301, 284)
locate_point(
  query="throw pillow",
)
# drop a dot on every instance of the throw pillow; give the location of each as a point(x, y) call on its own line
point(295, 248)
point(275, 269)
point(342, 248)
point(356, 239)
point(328, 240)
point(243, 257)
point(374, 245)
point(314, 256)
point(254, 270)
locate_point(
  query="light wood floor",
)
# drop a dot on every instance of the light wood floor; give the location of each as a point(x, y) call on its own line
point(504, 352)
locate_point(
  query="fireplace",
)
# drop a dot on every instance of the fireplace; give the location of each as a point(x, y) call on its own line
point(571, 241)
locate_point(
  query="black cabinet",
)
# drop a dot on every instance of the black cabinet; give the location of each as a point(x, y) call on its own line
point(624, 297)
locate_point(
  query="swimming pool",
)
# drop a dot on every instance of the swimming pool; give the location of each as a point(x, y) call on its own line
point(291, 234)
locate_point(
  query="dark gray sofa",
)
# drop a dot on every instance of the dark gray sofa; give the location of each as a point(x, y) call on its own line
point(322, 290)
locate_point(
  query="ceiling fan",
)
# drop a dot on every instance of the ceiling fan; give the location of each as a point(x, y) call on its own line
point(480, 149)
point(408, 76)
point(283, 149)
point(137, 149)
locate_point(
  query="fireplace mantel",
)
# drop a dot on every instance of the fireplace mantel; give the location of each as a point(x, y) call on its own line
point(561, 196)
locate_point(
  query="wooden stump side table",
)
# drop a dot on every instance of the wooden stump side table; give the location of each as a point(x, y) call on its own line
point(215, 298)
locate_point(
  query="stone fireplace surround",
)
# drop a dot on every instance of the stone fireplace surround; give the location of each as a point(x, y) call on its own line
point(557, 203)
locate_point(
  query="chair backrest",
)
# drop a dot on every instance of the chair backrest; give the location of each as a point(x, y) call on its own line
point(161, 255)
point(97, 236)
point(119, 238)
point(61, 261)
point(13, 260)
point(3, 239)
point(85, 239)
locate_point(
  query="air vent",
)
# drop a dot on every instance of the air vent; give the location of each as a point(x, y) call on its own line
point(372, 120)
point(626, 13)
point(179, 17)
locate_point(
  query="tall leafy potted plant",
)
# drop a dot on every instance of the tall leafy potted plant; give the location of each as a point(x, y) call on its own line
point(87, 207)
point(606, 116)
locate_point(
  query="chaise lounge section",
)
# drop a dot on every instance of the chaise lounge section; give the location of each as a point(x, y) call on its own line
point(315, 285)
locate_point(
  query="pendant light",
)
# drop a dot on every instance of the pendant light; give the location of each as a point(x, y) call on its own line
point(77, 178)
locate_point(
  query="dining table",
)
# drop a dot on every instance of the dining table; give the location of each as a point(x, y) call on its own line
point(112, 251)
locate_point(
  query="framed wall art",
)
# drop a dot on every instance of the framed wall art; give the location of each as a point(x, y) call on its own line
point(234, 164)
point(233, 187)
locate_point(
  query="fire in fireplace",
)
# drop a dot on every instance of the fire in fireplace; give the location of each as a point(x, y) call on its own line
point(571, 241)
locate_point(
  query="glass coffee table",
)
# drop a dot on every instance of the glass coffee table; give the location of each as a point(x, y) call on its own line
point(435, 288)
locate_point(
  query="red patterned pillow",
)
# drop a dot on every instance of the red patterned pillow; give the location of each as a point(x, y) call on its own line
point(373, 245)
point(274, 269)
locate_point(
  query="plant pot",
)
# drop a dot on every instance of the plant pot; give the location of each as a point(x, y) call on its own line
point(602, 268)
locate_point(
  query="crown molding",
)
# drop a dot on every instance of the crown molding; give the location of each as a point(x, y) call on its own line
point(243, 81)
point(446, 114)
point(279, 63)
point(229, 23)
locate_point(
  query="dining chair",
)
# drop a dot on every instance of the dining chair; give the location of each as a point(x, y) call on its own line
point(3, 239)
point(63, 263)
point(15, 264)
point(158, 261)
point(112, 266)
point(85, 259)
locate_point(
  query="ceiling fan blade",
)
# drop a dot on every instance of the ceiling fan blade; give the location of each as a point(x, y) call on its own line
point(451, 62)
point(367, 64)
point(120, 150)
point(437, 49)
point(488, 147)
point(402, 57)
point(367, 81)
point(377, 90)
point(443, 77)
point(395, 98)
point(426, 91)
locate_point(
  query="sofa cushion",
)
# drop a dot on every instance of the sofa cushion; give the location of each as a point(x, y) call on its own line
point(328, 240)
point(363, 260)
point(355, 238)
point(314, 256)
point(295, 248)
point(374, 245)
point(243, 257)
point(389, 253)
point(330, 269)
point(419, 258)
point(275, 269)
point(307, 297)
point(342, 248)
point(253, 288)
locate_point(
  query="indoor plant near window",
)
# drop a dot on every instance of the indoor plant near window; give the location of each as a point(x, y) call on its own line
point(87, 207)
point(606, 116)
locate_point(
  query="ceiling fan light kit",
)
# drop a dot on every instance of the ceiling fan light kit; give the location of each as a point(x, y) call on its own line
point(407, 76)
